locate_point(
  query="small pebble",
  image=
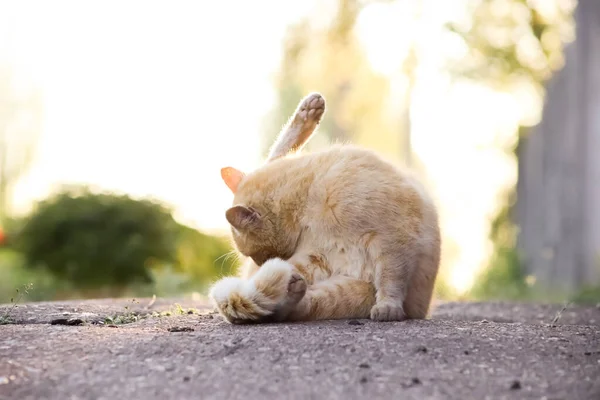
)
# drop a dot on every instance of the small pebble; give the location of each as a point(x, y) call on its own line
point(516, 385)
point(4, 380)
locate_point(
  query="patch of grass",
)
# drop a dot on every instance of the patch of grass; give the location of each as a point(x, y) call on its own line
point(176, 309)
point(559, 314)
point(121, 319)
point(6, 318)
point(133, 316)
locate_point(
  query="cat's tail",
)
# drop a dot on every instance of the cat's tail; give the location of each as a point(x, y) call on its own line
point(300, 127)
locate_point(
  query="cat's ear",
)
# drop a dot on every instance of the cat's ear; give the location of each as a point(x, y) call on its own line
point(232, 178)
point(242, 218)
point(300, 128)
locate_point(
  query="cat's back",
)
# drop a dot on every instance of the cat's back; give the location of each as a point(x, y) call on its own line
point(298, 172)
point(355, 188)
point(344, 177)
point(334, 162)
point(359, 174)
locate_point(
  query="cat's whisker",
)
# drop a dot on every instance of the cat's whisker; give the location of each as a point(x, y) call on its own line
point(221, 256)
point(224, 258)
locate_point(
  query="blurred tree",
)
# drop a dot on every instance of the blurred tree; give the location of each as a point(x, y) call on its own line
point(511, 44)
point(558, 191)
point(327, 57)
point(98, 240)
point(20, 121)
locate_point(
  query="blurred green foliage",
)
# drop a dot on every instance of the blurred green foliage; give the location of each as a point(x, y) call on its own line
point(96, 240)
point(202, 258)
point(100, 244)
point(504, 278)
point(513, 41)
point(587, 295)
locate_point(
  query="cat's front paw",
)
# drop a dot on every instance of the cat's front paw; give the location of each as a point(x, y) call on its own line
point(271, 294)
point(233, 299)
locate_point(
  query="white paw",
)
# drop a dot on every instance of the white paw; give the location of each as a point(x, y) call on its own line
point(234, 300)
point(221, 290)
point(273, 290)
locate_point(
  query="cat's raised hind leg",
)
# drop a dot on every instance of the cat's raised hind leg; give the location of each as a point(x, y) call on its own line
point(270, 294)
point(300, 127)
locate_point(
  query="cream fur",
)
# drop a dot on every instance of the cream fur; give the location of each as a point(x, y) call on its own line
point(359, 236)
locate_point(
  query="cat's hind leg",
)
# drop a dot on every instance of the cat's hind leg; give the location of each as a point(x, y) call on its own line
point(420, 292)
point(272, 291)
point(393, 272)
point(338, 297)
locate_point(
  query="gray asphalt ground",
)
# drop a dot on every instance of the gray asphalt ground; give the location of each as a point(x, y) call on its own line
point(102, 350)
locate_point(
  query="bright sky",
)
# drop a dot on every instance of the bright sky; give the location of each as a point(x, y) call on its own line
point(148, 97)
point(153, 98)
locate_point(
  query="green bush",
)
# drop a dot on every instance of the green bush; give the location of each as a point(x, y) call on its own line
point(96, 240)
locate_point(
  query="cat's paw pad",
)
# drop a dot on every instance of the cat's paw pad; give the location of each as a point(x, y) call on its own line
point(311, 109)
point(297, 284)
point(296, 289)
point(387, 311)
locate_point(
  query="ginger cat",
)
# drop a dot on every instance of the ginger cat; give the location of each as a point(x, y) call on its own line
point(335, 234)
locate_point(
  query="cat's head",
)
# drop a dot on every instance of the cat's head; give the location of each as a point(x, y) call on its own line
point(263, 227)
point(258, 229)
